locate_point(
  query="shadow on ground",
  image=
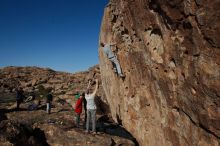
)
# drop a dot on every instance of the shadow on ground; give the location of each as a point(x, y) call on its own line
point(104, 124)
point(5, 111)
point(21, 135)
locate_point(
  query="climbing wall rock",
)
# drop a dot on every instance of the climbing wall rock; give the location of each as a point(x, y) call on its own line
point(169, 52)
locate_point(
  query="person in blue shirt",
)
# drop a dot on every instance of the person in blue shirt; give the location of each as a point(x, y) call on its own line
point(107, 49)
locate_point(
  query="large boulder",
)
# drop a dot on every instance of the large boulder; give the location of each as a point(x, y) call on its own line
point(169, 52)
point(13, 133)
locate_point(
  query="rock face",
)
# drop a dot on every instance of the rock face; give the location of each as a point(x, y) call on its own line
point(169, 52)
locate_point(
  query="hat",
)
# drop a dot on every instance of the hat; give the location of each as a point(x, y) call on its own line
point(77, 96)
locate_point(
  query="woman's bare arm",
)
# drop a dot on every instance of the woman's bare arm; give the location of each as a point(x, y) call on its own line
point(96, 87)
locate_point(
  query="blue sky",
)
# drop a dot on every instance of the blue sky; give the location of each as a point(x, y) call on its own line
point(59, 34)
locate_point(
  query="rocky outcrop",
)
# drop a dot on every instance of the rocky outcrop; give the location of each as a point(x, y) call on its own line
point(169, 52)
point(13, 133)
point(63, 85)
point(31, 77)
point(33, 126)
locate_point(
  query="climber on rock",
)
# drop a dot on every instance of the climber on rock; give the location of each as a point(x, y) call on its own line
point(107, 49)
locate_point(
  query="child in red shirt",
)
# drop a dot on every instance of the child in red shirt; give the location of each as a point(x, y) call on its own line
point(78, 109)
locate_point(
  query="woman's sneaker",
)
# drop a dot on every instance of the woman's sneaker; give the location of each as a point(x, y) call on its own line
point(94, 133)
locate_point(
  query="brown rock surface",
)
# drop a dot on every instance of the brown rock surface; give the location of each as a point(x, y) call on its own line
point(169, 52)
point(13, 133)
point(36, 127)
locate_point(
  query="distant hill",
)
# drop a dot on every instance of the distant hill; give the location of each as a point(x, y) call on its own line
point(38, 80)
